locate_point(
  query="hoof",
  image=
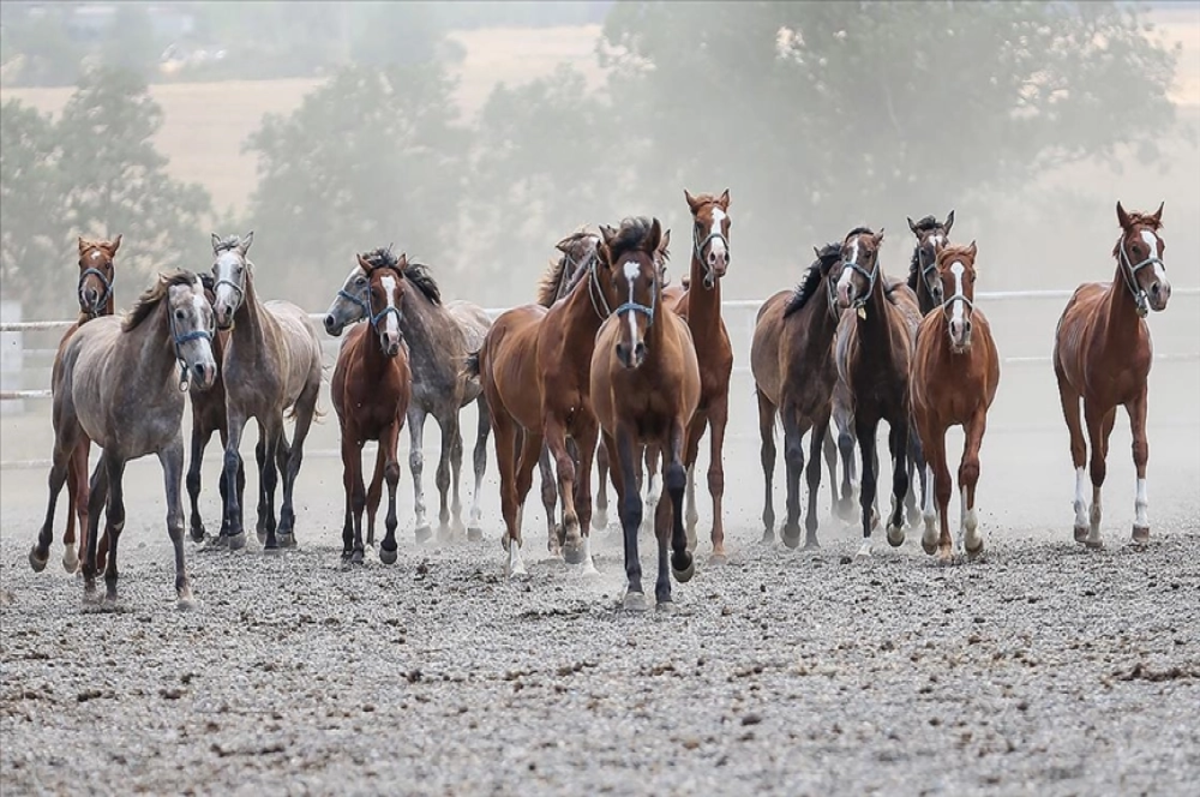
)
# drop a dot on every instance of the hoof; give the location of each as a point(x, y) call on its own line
point(665, 607)
point(388, 557)
point(222, 541)
point(346, 555)
point(864, 551)
point(424, 533)
point(600, 521)
point(811, 544)
point(1141, 535)
point(70, 560)
point(895, 536)
point(272, 551)
point(929, 547)
point(185, 602)
point(198, 534)
point(945, 557)
point(38, 563)
point(474, 534)
point(976, 553)
point(718, 559)
point(768, 537)
point(684, 574)
point(1095, 545)
point(262, 536)
point(1081, 533)
point(791, 538)
point(634, 602)
point(356, 558)
point(286, 539)
point(237, 541)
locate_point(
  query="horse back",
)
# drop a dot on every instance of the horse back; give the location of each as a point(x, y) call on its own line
point(1080, 356)
point(508, 364)
point(765, 346)
point(299, 347)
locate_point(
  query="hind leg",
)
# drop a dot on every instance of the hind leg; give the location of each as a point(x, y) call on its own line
point(505, 436)
point(600, 516)
point(456, 458)
point(916, 467)
point(265, 509)
point(389, 447)
point(375, 489)
point(813, 474)
point(98, 497)
point(306, 407)
point(766, 432)
point(1069, 398)
point(695, 432)
point(171, 459)
point(475, 519)
point(865, 431)
point(793, 457)
point(829, 449)
point(77, 494)
point(898, 442)
point(1099, 425)
point(40, 553)
point(550, 503)
point(416, 465)
point(449, 426)
point(200, 437)
point(850, 485)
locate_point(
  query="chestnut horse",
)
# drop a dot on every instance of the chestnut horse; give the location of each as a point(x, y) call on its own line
point(791, 357)
point(121, 383)
point(272, 361)
point(371, 388)
point(873, 357)
point(955, 372)
point(94, 291)
point(645, 387)
point(1102, 354)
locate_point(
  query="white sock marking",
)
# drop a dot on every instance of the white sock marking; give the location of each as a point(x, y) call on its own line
point(1081, 507)
point(1141, 504)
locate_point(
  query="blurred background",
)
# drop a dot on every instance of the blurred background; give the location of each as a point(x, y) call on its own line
point(474, 135)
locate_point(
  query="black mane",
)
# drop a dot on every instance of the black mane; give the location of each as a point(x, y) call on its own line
point(419, 275)
point(381, 258)
point(630, 237)
point(859, 231)
point(812, 278)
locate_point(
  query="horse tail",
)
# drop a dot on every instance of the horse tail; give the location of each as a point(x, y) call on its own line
point(471, 368)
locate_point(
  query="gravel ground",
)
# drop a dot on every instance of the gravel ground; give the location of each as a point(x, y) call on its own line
point(1044, 668)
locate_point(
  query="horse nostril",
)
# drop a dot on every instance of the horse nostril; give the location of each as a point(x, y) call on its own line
point(1155, 289)
point(329, 322)
point(639, 351)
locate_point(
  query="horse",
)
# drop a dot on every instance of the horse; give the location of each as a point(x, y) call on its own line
point(272, 361)
point(121, 384)
point(645, 387)
point(94, 291)
point(208, 416)
point(371, 389)
point(791, 358)
point(873, 354)
point(439, 336)
point(955, 373)
point(1103, 354)
point(923, 277)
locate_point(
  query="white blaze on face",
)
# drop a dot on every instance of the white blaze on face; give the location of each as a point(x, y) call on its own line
point(95, 255)
point(225, 293)
point(845, 282)
point(717, 244)
point(631, 272)
point(956, 312)
point(1152, 242)
point(391, 323)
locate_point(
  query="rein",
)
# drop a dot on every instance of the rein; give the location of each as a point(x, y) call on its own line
point(105, 281)
point(1129, 271)
point(594, 289)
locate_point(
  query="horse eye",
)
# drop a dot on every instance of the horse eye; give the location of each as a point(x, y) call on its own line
point(178, 315)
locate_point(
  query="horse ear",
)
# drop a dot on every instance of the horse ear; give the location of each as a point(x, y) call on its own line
point(664, 243)
point(216, 241)
point(244, 246)
point(949, 222)
point(564, 245)
point(879, 237)
point(1122, 216)
point(972, 249)
point(1158, 214)
point(607, 234)
point(724, 200)
point(691, 200)
point(817, 252)
point(402, 262)
point(654, 238)
point(911, 226)
point(363, 264)
point(114, 245)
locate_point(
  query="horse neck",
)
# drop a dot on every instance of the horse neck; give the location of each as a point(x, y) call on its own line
point(374, 360)
point(1121, 318)
point(703, 304)
point(822, 323)
point(250, 318)
point(109, 309)
point(924, 298)
point(877, 326)
point(429, 329)
point(580, 308)
point(152, 350)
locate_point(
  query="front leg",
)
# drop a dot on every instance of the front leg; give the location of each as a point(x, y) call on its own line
point(898, 442)
point(865, 431)
point(793, 456)
point(813, 474)
point(550, 502)
point(389, 442)
point(200, 437)
point(683, 565)
point(1141, 456)
point(691, 450)
point(375, 489)
point(114, 522)
point(968, 478)
point(766, 433)
point(229, 474)
point(449, 427)
point(600, 516)
point(416, 463)
point(171, 459)
point(631, 519)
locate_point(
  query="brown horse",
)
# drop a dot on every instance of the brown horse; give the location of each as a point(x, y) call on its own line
point(1102, 354)
point(955, 372)
point(94, 291)
point(371, 388)
point(791, 357)
point(873, 357)
point(645, 387)
point(272, 362)
point(121, 383)
point(923, 278)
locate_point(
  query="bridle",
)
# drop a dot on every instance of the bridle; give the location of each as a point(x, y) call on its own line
point(376, 318)
point(928, 268)
point(595, 290)
point(959, 296)
point(91, 271)
point(241, 292)
point(637, 307)
point(195, 334)
point(1130, 272)
point(710, 279)
point(861, 300)
point(360, 300)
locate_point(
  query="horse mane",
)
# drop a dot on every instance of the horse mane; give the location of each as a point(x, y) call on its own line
point(226, 244)
point(150, 298)
point(812, 278)
point(419, 275)
point(859, 231)
point(383, 257)
point(630, 237)
point(551, 280)
point(1136, 219)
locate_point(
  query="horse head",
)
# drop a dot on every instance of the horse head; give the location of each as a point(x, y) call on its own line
point(932, 235)
point(1139, 253)
point(385, 294)
point(956, 279)
point(96, 274)
point(710, 234)
point(630, 256)
point(855, 276)
point(230, 271)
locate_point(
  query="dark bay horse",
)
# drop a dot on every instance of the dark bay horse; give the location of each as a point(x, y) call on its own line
point(874, 357)
point(439, 336)
point(272, 362)
point(121, 383)
point(371, 388)
point(791, 357)
point(1102, 355)
point(955, 373)
point(645, 387)
point(94, 290)
point(923, 278)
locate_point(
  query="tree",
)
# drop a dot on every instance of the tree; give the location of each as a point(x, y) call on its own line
point(96, 173)
point(372, 157)
point(822, 116)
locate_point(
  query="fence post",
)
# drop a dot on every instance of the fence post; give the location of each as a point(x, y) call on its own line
point(12, 358)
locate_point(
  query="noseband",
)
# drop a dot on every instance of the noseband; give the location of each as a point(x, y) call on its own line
point(1130, 271)
point(195, 334)
point(637, 307)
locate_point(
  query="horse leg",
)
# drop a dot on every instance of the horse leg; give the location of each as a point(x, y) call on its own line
point(265, 508)
point(846, 448)
point(587, 431)
point(766, 431)
point(793, 457)
point(505, 436)
point(306, 407)
point(171, 459)
point(1098, 427)
point(550, 502)
point(389, 448)
point(270, 480)
point(968, 478)
point(475, 519)
point(898, 442)
point(456, 457)
point(375, 489)
point(235, 424)
point(97, 498)
point(865, 432)
point(670, 521)
point(200, 437)
point(349, 453)
point(531, 449)
point(556, 441)
point(695, 431)
point(718, 419)
point(600, 516)
point(416, 464)
point(77, 494)
point(115, 521)
point(449, 426)
point(829, 449)
point(813, 474)
point(649, 455)
point(631, 519)
point(916, 466)
point(40, 553)
point(1069, 398)
point(1141, 455)
point(353, 478)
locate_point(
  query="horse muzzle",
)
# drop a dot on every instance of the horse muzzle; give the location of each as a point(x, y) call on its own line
point(631, 356)
point(960, 335)
point(333, 326)
point(1158, 295)
point(204, 375)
